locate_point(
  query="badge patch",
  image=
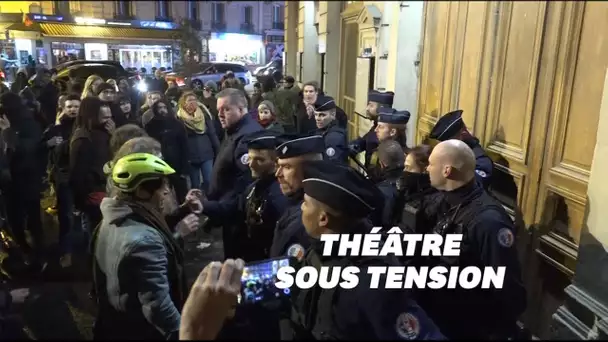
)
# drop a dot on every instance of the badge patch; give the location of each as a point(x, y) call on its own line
point(245, 159)
point(284, 150)
point(481, 173)
point(296, 251)
point(330, 152)
point(505, 237)
point(407, 326)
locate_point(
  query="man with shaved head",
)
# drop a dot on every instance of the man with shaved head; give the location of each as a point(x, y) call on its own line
point(464, 207)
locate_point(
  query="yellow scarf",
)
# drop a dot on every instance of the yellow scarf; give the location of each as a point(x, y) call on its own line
point(195, 122)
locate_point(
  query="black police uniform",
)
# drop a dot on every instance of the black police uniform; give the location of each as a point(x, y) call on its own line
point(254, 211)
point(395, 117)
point(388, 178)
point(447, 127)
point(290, 238)
point(359, 313)
point(488, 241)
point(369, 142)
point(336, 143)
point(231, 173)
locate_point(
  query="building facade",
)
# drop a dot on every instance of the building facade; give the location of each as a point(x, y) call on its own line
point(530, 77)
point(139, 33)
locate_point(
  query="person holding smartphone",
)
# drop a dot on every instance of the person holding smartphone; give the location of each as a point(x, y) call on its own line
point(338, 200)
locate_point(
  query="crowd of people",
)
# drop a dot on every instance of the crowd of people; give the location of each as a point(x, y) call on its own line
point(139, 172)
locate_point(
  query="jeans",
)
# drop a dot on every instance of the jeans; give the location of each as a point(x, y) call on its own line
point(22, 212)
point(205, 168)
point(65, 215)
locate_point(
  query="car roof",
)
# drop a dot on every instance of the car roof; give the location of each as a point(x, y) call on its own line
point(66, 71)
point(65, 65)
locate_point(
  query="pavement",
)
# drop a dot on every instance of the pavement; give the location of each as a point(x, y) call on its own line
point(59, 306)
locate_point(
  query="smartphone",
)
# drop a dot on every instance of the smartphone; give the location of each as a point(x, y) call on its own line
point(259, 279)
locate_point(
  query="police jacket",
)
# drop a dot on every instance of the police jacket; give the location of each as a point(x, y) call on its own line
point(368, 143)
point(385, 216)
point(254, 214)
point(231, 170)
point(290, 237)
point(336, 143)
point(359, 313)
point(484, 167)
point(488, 241)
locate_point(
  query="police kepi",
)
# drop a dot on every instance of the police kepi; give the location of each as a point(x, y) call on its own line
point(290, 237)
point(369, 142)
point(452, 126)
point(336, 143)
point(339, 199)
point(392, 124)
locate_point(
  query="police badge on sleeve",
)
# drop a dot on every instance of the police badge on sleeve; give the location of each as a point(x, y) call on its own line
point(296, 251)
point(407, 326)
point(245, 159)
point(481, 173)
point(330, 152)
point(505, 237)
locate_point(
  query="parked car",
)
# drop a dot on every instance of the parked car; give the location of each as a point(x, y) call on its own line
point(211, 72)
point(81, 71)
point(273, 69)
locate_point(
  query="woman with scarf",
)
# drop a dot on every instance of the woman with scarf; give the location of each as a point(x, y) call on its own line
point(139, 276)
point(268, 119)
point(203, 143)
point(171, 134)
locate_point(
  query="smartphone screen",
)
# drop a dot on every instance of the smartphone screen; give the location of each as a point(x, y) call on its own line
point(259, 279)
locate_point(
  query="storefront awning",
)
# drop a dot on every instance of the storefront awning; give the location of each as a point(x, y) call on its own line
point(81, 31)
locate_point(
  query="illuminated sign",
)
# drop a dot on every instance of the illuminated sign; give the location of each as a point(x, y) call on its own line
point(118, 23)
point(89, 21)
point(42, 17)
point(158, 25)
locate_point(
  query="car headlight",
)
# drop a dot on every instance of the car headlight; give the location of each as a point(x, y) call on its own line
point(142, 86)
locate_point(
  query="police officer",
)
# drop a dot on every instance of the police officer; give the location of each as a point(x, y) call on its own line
point(488, 241)
point(369, 142)
point(391, 159)
point(231, 171)
point(391, 125)
point(336, 143)
point(337, 200)
point(451, 126)
point(256, 210)
point(290, 238)
point(230, 174)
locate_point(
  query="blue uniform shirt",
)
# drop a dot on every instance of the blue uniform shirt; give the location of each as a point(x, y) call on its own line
point(367, 143)
point(290, 237)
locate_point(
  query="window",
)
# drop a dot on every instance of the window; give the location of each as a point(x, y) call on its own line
point(162, 9)
point(122, 9)
point(247, 14)
point(192, 9)
point(218, 12)
point(277, 14)
point(61, 7)
point(236, 68)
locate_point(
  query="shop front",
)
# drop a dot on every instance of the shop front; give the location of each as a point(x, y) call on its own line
point(235, 47)
point(135, 44)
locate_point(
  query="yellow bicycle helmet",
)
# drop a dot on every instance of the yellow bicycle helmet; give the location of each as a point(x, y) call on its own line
point(133, 169)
